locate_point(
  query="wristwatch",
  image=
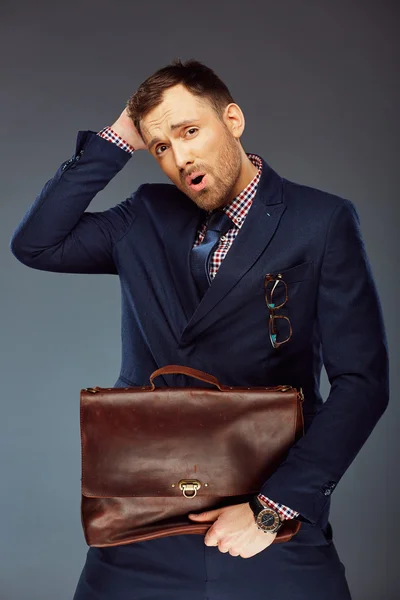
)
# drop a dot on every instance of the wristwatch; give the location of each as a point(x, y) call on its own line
point(267, 518)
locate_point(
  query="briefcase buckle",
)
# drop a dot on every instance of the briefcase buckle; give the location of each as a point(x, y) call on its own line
point(189, 485)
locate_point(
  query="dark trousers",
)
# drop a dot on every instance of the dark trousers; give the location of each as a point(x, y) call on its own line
point(177, 567)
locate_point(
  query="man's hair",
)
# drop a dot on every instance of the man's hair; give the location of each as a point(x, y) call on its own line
point(199, 79)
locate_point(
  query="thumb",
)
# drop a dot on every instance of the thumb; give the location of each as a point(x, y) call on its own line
point(209, 515)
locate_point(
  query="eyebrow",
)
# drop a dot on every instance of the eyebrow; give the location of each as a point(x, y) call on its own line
point(173, 128)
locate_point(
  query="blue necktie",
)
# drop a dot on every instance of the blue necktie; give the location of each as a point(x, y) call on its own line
point(218, 224)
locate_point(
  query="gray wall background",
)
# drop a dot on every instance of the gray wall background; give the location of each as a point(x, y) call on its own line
point(318, 84)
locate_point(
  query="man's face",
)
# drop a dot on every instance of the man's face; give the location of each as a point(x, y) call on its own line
point(186, 138)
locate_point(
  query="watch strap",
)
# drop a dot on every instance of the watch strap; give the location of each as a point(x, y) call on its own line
point(256, 505)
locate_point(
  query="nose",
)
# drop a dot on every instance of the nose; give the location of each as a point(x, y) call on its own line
point(182, 159)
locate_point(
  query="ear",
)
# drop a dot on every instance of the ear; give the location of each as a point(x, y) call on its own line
point(234, 119)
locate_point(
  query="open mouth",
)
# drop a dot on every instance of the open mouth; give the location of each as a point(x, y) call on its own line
point(198, 183)
point(197, 179)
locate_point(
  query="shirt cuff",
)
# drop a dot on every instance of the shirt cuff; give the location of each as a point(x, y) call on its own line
point(284, 511)
point(110, 135)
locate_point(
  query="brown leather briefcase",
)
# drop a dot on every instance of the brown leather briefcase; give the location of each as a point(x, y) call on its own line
point(152, 455)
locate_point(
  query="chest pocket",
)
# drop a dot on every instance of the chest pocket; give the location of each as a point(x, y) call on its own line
point(297, 273)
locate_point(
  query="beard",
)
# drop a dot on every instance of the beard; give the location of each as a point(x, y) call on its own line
point(225, 174)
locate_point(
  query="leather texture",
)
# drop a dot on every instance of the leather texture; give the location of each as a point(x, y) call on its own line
point(138, 443)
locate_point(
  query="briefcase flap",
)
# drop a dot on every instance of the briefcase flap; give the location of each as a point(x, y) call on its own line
point(142, 442)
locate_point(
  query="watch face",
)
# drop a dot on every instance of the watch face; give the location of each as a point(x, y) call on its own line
point(268, 519)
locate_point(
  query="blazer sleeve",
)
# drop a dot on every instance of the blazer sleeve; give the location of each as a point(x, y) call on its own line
point(56, 234)
point(355, 355)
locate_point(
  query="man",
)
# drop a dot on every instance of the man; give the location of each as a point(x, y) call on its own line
point(192, 258)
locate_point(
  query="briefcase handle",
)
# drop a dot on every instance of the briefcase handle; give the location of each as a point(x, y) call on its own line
point(182, 370)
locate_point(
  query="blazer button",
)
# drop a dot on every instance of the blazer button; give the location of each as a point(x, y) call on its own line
point(68, 162)
point(328, 488)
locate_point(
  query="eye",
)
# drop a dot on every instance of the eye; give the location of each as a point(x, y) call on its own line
point(194, 129)
point(157, 149)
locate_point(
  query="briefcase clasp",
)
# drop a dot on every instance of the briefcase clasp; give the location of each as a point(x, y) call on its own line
point(189, 485)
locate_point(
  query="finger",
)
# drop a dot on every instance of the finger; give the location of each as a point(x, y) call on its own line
point(223, 547)
point(209, 515)
point(211, 538)
point(210, 542)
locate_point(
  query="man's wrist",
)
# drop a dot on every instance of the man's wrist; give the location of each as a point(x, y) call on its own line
point(109, 134)
point(266, 517)
point(261, 499)
point(284, 511)
point(123, 127)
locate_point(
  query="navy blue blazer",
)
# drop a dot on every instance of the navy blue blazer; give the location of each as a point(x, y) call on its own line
point(311, 237)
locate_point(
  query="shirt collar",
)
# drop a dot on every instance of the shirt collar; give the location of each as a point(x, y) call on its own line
point(238, 208)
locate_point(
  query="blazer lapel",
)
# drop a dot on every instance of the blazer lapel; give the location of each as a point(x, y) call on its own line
point(255, 234)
